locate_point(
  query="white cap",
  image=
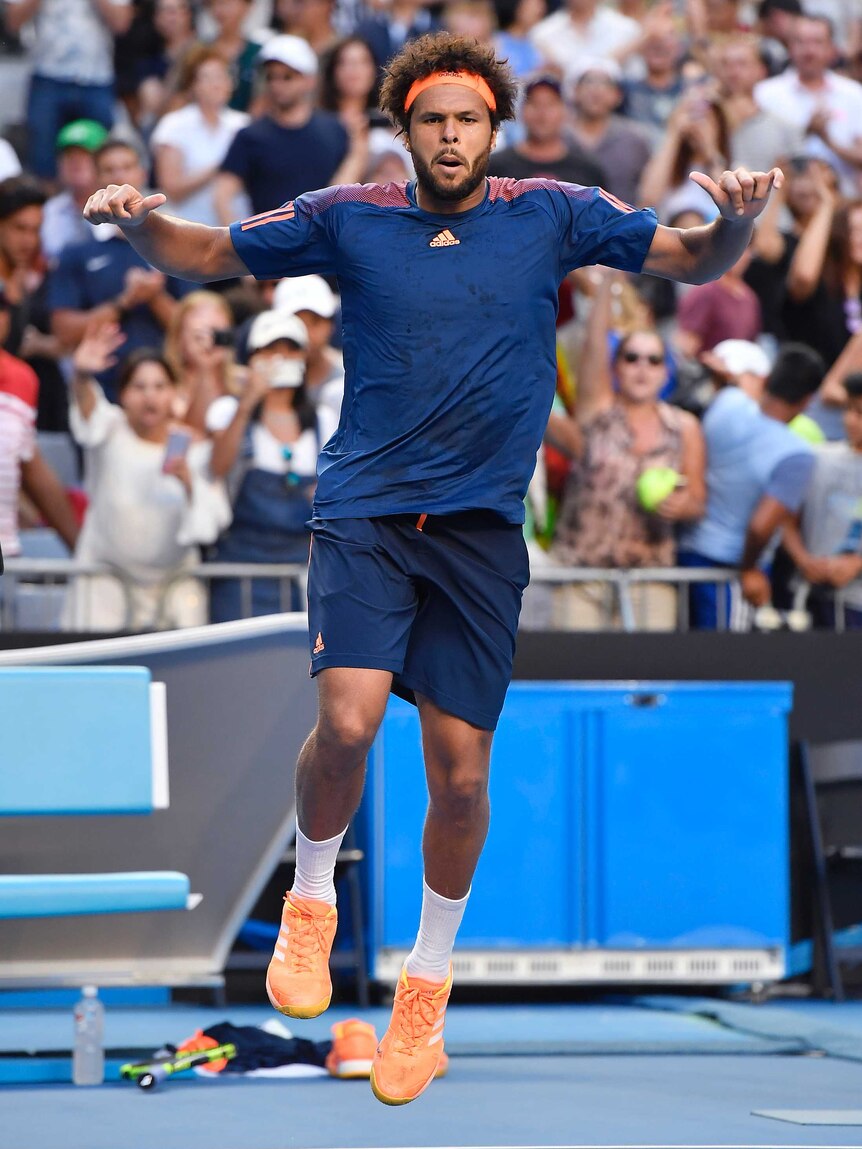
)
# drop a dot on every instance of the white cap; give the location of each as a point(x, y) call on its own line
point(292, 51)
point(305, 293)
point(741, 357)
point(270, 326)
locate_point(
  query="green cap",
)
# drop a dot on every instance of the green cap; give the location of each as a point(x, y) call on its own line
point(86, 134)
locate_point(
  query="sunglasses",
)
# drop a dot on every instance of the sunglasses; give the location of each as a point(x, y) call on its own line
point(654, 360)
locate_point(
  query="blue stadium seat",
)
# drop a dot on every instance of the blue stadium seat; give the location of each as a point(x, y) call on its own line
point(85, 740)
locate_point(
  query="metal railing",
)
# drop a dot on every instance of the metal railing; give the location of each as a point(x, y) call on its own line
point(54, 574)
point(620, 582)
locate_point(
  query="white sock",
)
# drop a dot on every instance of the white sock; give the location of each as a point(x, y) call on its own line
point(315, 867)
point(438, 925)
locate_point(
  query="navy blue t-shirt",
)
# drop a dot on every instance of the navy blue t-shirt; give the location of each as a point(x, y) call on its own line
point(92, 273)
point(449, 331)
point(276, 164)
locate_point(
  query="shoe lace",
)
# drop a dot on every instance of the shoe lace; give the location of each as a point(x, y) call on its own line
point(306, 939)
point(415, 1018)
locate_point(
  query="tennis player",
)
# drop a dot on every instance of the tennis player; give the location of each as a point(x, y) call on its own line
point(449, 296)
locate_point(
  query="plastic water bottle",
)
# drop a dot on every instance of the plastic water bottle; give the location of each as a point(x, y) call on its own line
point(88, 1056)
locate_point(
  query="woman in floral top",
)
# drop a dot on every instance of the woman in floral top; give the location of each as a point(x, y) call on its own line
point(620, 429)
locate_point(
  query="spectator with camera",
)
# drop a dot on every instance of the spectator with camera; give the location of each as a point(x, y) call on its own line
point(697, 139)
point(153, 502)
point(266, 444)
point(625, 444)
point(810, 188)
point(825, 539)
point(823, 305)
point(199, 346)
point(758, 472)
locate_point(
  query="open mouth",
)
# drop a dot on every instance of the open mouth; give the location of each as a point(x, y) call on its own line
point(451, 163)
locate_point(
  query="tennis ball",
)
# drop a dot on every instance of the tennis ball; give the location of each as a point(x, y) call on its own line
point(654, 485)
point(805, 427)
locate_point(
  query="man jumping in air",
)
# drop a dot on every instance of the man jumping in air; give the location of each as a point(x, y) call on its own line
point(449, 297)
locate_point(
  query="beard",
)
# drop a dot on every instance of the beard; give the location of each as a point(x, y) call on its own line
point(451, 192)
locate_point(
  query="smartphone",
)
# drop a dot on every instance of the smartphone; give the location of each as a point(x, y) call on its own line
point(223, 338)
point(178, 445)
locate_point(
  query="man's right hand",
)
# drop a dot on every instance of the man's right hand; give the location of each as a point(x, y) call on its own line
point(755, 587)
point(121, 204)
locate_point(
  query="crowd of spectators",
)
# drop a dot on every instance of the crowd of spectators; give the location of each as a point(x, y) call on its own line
point(702, 427)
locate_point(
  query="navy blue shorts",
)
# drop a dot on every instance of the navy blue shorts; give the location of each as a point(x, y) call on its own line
point(434, 599)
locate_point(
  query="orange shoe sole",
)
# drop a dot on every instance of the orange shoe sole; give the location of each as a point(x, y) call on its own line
point(302, 1012)
point(397, 1100)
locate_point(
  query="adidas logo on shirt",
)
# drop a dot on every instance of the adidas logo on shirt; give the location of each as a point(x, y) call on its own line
point(444, 238)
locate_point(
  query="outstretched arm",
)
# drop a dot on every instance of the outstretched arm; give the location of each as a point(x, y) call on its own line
point(594, 391)
point(699, 254)
point(186, 250)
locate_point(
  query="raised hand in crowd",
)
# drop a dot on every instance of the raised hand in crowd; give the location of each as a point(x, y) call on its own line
point(141, 286)
point(96, 352)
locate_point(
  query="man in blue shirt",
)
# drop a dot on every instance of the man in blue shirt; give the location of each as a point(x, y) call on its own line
point(758, 472)
point(105, 279)
point(449, 290)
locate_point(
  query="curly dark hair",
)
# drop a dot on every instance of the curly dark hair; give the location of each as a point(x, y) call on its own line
point(444, 52)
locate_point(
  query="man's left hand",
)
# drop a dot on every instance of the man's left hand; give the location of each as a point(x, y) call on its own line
point(740, 194)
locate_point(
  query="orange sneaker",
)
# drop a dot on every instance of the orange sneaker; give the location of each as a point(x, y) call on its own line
point(297, 981)
point(353, 1045)
point(408, 1058)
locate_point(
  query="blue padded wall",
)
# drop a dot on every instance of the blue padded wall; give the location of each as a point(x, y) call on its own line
point(75, 740)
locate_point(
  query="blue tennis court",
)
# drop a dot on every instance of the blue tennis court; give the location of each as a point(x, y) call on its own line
point(637, 1071)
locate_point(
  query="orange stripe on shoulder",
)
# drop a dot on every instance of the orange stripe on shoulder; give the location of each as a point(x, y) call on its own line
point(617, 203)
point(248, 224)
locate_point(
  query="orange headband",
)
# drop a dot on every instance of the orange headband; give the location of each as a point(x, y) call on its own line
point(465, 79)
